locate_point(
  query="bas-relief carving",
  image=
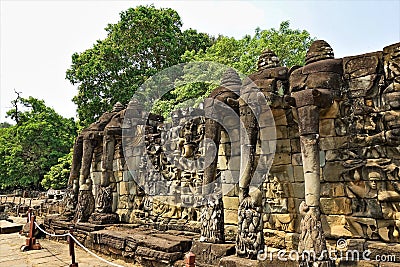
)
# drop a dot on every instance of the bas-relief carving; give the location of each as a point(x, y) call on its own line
point(372, 167)
point(370, 117)
point(376, 197)
point(277, 209)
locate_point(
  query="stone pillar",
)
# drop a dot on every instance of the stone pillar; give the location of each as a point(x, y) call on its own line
point(212, 214)
point(269, 79)
point(313, 88)
point(83, 157)
point(104, 197)
point(70, 199)
point(85, 206)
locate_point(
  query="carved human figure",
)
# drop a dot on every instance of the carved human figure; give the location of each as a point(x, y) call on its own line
point(364, 204)
point(275, 199)
point(390, 132)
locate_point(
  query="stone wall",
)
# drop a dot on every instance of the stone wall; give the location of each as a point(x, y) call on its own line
point(359, 155)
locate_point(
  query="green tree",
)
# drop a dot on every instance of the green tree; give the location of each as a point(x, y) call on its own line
point(290, 45)
point(29, 148)
point(57, 177)
point(144, 41)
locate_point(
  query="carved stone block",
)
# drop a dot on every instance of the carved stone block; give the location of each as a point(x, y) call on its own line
point(231, 216)
point(337, 205)
point(391, 64)
point(333, 190)
point(231, 203)
point(208, 254)
point(327, 127)
point(362, 65)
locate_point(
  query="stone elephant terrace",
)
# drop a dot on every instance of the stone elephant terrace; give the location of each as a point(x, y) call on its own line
point(324, 150)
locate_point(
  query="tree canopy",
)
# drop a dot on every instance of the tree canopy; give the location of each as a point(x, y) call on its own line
point(290, 45)
point(145, 40)
point(30, 147)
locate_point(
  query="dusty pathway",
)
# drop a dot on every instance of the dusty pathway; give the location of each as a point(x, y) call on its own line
point(53, 254)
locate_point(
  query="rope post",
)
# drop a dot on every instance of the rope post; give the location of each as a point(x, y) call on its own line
point(72, 248)
point(190, 260)
point(29, 215)
point(31, 241)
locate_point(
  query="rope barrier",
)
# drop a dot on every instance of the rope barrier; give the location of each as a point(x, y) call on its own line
point(79, 244)
point(93, 254)
point(47, 233)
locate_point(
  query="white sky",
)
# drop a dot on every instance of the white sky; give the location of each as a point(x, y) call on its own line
point(38, 38)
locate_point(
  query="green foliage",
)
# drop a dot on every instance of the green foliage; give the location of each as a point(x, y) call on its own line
point(144, 41)
point(29, 148)
point(57, 177)
point(290, 46)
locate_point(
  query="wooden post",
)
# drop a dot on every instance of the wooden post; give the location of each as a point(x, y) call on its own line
point(190, 260)
point(31, 241)
point(72, 249)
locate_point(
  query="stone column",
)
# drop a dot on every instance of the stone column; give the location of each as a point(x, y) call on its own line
point(71, 196)
point(104, 197)
point(312, 89)
point(85, 206)
point(212, 214)
point(83, 152)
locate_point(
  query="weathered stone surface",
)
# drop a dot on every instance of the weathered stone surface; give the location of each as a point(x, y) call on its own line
point(234, 261)
point(297, 159)
point(337, 205)
point(298, 190)
point(231, 216)
point(274, 238)
point(282, 158)
point(327, 127)
point(328, 65)
point(362, 65)
point(326, 80)
point(334, 226)
point(231, 203)
point(332, 190)
point(282, 146)
point(155, 255)
point(391, 65)
point(298, 173)
point(208, 254)
point(332, 171)
point(330, 143)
